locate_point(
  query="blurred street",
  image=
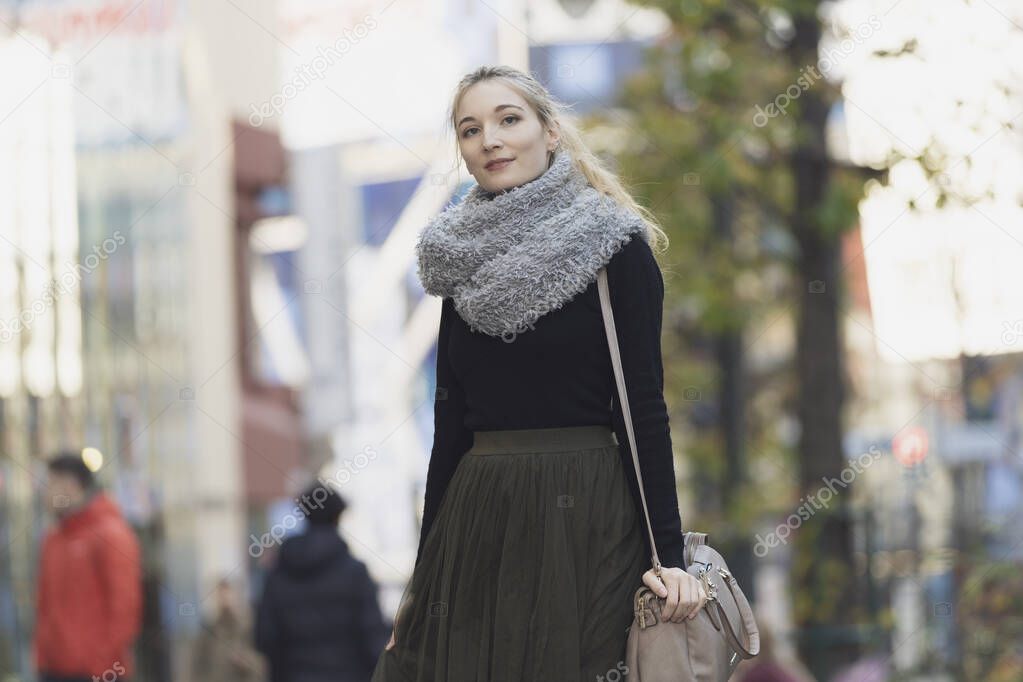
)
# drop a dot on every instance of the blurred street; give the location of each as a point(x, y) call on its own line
point(208, 296)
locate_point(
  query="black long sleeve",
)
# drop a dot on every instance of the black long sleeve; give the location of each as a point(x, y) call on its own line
point(451, 438)
point(637, 300)
point(559, 374)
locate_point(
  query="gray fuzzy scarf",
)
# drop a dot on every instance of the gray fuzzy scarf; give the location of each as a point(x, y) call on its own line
point(510, 257)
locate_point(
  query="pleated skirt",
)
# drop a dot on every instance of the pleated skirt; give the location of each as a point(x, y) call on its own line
point(530, 566)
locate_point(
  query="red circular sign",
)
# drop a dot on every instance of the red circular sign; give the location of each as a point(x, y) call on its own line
point(910, 446)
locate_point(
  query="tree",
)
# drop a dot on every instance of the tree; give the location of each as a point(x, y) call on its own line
point(733, 157)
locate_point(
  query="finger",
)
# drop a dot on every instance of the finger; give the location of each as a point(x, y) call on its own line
point(651, 580)
point(702, 602)
point(670, 608)
point(657, 584)
point(683, 602)
point(692, 600)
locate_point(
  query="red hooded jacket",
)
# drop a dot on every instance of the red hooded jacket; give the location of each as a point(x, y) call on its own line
point(89, 597)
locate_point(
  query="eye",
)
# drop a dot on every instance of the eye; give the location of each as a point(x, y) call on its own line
point(513, 117)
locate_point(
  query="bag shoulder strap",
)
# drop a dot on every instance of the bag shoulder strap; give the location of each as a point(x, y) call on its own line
point(623, 398)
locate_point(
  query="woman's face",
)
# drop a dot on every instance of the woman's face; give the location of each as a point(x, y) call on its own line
point(500, 137)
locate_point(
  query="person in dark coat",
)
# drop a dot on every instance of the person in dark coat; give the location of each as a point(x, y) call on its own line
point(319, 618)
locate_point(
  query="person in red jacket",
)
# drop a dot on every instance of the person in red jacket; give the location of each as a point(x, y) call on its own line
point(89, 594)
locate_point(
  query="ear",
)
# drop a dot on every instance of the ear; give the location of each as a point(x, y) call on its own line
point(555, 138)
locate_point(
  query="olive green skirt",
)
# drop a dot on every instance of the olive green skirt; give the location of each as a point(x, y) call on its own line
point(530, 566)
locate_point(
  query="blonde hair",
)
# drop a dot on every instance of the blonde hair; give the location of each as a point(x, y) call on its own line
point(554, 115)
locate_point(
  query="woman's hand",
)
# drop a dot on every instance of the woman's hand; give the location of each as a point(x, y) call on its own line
point(684, 594)
point(390, 643)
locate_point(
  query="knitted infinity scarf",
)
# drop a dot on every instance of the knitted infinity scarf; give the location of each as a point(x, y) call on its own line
point(508, 258)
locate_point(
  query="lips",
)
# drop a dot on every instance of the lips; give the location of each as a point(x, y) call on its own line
point(498, 164)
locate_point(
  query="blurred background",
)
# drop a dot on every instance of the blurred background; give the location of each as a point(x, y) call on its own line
point(207, 219)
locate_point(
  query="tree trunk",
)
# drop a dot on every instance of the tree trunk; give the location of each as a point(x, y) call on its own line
point(730, 358)
point(728, 353)
point(827, 605)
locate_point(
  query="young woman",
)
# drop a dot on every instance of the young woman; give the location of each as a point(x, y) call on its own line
point(532, 543)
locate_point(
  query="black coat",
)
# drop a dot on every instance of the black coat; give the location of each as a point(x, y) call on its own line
point(319, 619)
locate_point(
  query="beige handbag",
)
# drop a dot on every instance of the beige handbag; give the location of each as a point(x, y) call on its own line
point(709, 647)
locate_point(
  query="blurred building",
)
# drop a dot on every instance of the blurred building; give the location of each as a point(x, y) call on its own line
point(941, 398)
point(120, 259)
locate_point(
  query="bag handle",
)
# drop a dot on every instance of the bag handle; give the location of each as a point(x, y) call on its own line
point(692, 540)
point(748, 622)
point(616, 362)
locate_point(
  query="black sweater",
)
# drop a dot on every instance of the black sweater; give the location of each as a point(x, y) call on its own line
point(559, 374)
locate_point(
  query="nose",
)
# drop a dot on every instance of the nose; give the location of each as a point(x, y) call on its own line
point(490, 140)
